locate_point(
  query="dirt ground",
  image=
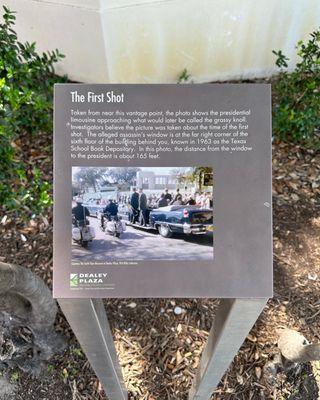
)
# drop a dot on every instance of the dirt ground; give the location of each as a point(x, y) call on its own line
point(159, 351)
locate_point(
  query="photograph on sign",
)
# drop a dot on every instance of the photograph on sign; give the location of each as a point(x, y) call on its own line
point(132, 213)
point(162, 190)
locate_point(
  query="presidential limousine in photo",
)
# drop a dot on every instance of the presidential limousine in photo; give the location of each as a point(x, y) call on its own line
point(190, 220)
point(181, 219)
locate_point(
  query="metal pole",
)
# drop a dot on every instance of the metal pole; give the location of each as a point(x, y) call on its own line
point(234, 319)
point(88, 320)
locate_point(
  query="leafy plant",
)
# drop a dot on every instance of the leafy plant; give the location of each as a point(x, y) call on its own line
point(184, 76)
point(15, 377)
point(77, 352)
point(296, 111)
point(26, 94)
point(50, 368)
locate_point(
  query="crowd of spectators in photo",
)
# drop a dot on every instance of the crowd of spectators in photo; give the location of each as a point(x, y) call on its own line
point(156, 200)
point(140, 202)
point(164, 199)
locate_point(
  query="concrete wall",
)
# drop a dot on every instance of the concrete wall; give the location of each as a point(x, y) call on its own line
point(147, 41)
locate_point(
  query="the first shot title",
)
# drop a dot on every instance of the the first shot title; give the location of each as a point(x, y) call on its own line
point(91, 97)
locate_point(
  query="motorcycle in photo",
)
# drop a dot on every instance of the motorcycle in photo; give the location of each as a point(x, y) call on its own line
point(112, 224)
point(82, 233)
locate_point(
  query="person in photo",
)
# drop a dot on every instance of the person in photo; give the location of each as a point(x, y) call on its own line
point(143, 202)
point(177, 195)
point(178, 201)
point(162, 202)
point(134, 203)
point(191, 201)
point(80, 212)
point(206, 201)
point(110, 210)
point(167, 196)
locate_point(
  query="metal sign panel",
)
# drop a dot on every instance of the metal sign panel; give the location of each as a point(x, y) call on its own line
point(162, 191)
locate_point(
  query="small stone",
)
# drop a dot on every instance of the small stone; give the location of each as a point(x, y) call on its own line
point(312, 276)
point(177, 310)
point(258, 372)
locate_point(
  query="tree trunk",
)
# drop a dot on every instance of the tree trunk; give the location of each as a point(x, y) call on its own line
point(26, 303)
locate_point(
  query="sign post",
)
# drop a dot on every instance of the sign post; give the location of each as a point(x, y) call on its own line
point(234, 319)
point(137, 169)
point(89, 322)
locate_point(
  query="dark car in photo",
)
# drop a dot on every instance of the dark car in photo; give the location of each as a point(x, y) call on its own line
point(190, 220)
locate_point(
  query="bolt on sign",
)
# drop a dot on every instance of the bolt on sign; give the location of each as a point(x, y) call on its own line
point(162, 191)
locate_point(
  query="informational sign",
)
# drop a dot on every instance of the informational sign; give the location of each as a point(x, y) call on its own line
point(162, 191)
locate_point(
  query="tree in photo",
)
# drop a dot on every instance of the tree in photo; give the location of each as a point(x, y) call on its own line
point(124, 174)
point(90, 177)
point(193, 175)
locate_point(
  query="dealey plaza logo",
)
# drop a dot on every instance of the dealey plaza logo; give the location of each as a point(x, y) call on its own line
point(74, 280)
point(87, 279)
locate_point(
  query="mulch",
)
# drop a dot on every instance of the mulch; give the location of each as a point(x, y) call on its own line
point(159, 350)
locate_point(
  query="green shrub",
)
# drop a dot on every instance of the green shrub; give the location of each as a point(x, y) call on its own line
point(26, 95)
point(296, 111)
point(184, 76)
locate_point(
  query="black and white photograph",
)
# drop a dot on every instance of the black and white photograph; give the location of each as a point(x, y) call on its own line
point(148, 213)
